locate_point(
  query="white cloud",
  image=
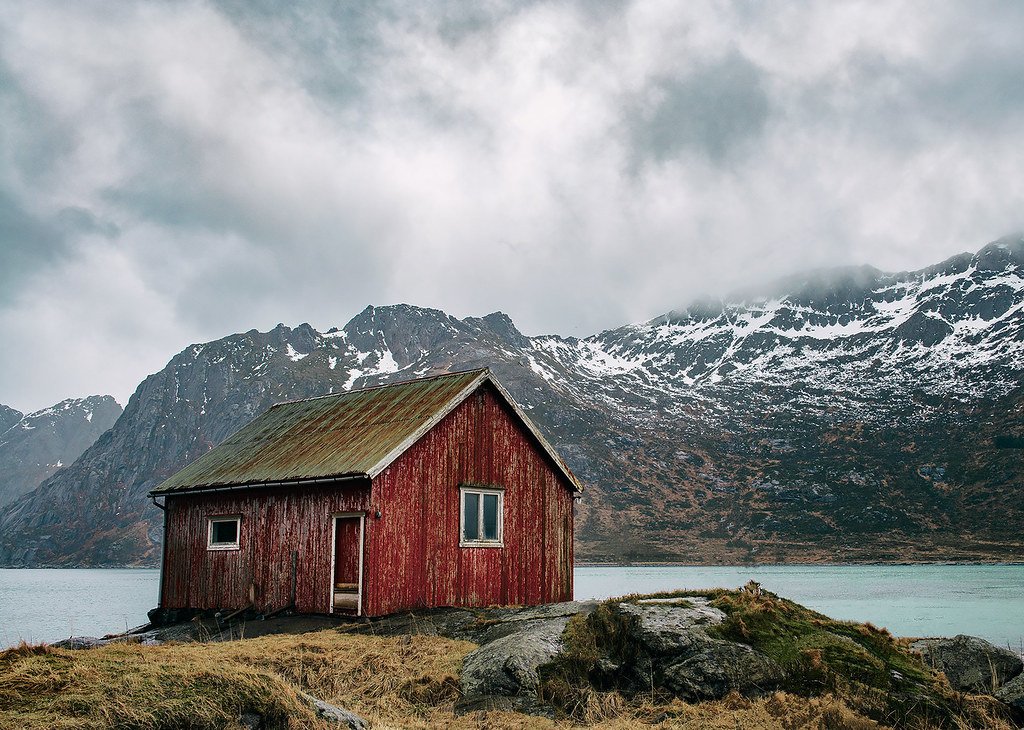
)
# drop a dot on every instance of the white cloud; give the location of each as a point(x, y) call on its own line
point(575, 165)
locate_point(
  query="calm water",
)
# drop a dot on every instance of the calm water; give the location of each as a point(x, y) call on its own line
point(930, 600)
point(48, 605)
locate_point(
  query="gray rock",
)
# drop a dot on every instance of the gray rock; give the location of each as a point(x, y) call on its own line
point(251, 720)
point(672, 627)
point(721, 668)
point(969, 663)
point(502, 622)
point(536, 613)
point(508, 666)
point(481, 626)
point(80, 642)
point(1012, 693)
point(337, 715)
point(485, 703)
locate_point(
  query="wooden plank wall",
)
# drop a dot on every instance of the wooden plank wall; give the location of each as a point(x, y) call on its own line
point(413, 554)
point(275, 523)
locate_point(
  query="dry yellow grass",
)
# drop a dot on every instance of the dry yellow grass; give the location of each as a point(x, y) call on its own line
point(403, 682)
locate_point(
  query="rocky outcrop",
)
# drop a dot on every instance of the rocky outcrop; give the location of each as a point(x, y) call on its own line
point(663, 642)
point(969, 663)
point(671, 626)
point(504, 673)
point(668, 645)
point(722, 667)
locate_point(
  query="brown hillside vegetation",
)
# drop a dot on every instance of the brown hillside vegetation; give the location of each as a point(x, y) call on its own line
point(395, 682)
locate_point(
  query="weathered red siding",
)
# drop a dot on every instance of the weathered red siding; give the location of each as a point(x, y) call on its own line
point(412, 557)
point(275, 523)
point(416, 559)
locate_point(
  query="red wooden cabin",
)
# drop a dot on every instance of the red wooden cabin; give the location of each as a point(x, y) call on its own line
point(433, 492)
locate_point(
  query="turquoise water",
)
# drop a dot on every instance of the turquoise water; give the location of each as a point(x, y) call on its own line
point(48, 605)
point(909, 600)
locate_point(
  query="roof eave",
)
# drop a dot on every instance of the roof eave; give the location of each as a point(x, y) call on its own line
point(298, 482)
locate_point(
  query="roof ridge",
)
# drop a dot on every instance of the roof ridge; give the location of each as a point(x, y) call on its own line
point(477, 371)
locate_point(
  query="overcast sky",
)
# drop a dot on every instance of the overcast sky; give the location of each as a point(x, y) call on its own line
point(172, 172)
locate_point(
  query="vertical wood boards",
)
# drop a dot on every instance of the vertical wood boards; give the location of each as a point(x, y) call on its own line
point(415, 544)
point(275, 523)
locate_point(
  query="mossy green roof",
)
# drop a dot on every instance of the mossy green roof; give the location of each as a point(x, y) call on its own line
point(351, 434)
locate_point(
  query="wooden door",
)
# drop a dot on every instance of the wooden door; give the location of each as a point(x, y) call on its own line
point(346, 591)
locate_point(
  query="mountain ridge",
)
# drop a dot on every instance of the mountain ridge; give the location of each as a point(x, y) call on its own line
point(856, 421)
point(38, 444)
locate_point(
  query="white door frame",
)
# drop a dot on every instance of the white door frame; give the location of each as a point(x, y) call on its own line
point(334, 548)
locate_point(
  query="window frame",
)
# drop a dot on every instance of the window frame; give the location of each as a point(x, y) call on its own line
point(481, 490)
point(236, 545)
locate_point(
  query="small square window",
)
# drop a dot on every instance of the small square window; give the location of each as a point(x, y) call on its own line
point(482, 517)
point(223, 533)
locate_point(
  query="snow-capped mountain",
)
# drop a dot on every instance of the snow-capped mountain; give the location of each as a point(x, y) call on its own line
point(952, 328)
point(35, 446)
point(842, 415)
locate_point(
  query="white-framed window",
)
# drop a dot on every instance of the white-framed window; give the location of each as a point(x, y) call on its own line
point(223, 531)
point(482, 516)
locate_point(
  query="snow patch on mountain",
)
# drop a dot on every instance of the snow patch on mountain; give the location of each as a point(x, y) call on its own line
point(293, 354)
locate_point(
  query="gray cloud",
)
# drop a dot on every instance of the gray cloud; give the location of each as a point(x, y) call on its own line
point(28, 243)
point(716, 109)
point(173, 172)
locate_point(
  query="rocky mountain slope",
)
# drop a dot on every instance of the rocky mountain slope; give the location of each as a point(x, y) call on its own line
point(8, 417)
point(843, 415)
point(34, 447)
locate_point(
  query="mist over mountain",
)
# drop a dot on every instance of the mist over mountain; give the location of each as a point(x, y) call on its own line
point(34, 447)
point(842, 415)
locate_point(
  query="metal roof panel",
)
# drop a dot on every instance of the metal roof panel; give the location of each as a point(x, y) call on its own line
point(358, 432)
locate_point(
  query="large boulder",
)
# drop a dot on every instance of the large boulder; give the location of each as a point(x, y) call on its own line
point(969, 663)
point(673, 649)
point(507, 667)
point(672, 626)
point(503, 672)
point(720, 668)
